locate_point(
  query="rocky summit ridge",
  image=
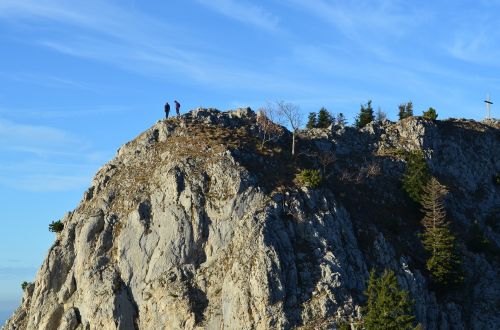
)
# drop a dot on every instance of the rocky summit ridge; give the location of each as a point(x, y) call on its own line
point(194, 226)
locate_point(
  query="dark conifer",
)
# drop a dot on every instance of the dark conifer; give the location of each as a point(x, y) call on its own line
point(365, 115)
point(311, 120)
point(438, 240)
point(388, 307)
point(324, 118)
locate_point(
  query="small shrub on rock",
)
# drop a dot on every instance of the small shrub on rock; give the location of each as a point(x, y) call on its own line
point(56, 226)
point(431, 114)
point(309, 178)
point(24, 285)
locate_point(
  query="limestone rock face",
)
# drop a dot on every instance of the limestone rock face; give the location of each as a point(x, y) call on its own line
point(182, 231)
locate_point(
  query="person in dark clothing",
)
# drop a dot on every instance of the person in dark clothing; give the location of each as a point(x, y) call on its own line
point(177, 107)
point(167, 110)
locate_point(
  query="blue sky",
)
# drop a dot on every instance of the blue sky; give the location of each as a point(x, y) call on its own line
point(80, 78)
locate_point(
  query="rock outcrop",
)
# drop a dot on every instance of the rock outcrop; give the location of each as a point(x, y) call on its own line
point(193, 226)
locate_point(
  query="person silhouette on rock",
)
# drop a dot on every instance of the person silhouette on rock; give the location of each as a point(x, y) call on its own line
point(177, 107)
point(167, 110)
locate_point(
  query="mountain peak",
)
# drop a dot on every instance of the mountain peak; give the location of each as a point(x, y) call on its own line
point(195, 224)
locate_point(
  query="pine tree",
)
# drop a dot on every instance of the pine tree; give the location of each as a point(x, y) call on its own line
point(311, 121)
point(56, 226)
point(409, 109)
point(401, 112)
point(324, 118)
point(365, 115)
point(405, 110)
point(341, 121)
point(438, 240)
point(416, 175)
point(388, 307)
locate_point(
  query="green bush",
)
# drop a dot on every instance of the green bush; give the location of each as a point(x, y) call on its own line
point(309, 178)
point(24, 285)
point(56, 226)
point(431, 114)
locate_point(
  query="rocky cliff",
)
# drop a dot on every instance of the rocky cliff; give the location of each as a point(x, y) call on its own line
point(194, 226)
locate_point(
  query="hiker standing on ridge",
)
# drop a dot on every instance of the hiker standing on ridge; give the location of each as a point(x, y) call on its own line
point(167, 110)
point(177, 107)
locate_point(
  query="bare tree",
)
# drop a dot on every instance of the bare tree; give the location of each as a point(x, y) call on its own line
point(268, 124)
point(380, 116)
point(326, 158)
point(292, 115)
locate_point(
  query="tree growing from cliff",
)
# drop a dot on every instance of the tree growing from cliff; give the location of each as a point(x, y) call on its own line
point(56, 226)
point(416, 175)
point(341, 120)
point(438, 240)
point(388, 306)
point(312, 121)
point(268, 128)
point(292, 115)
point(326, 158)
point(405, 110)
point(365, 115)
point(25, 284)
point(325, 119)
point(380, 116)
point(431, 114)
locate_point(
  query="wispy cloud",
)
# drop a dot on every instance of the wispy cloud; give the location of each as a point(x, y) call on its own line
point(371, 26)
point(183, 67)
point(476, 44)
point(41, 158)
point(39, 140)
point(45, 80)
point(245, 12)
point(66, 112)
point(353, 17)
point(136, 42)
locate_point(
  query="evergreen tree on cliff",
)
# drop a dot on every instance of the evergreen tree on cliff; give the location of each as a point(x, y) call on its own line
point(365, 115)
point(416, 175)
point(388, 307)
point(324, 118)
point(438, 240)
point(312, 121)
point(405, 110)
point(341, 121)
